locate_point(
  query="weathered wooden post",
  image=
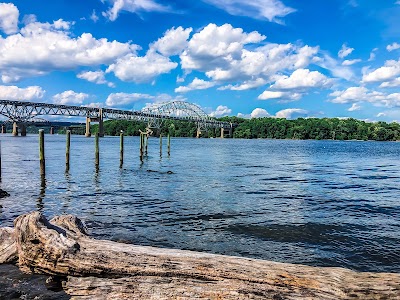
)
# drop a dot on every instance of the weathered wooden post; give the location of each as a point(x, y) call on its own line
point(160, 144)
point(41, 153)
point(141, 146)
point(67, 150)
point(0, 161)
point(121, 149)
point(169, 144)
point(97, 154)
point(146, 139)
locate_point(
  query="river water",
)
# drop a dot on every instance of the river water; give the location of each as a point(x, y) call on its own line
point(320, 203)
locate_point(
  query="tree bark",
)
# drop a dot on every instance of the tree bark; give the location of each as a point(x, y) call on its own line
point(8, 247)
point(107, 270)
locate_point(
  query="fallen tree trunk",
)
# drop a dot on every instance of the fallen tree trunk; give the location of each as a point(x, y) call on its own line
point(8, 247)
point(103, 269)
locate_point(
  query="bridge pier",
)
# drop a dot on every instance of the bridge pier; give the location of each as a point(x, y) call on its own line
point(52, 130)
point(23, 129)
point(227, 131)
point(15, 129)
point(198, 133)
point(3, 129)
point(87, 132)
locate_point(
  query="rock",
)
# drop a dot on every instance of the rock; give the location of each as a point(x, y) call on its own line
point(3, 194)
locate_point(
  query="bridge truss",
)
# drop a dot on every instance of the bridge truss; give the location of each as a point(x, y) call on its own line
point(21, 112)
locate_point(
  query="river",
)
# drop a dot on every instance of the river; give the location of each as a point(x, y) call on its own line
point(320, 203)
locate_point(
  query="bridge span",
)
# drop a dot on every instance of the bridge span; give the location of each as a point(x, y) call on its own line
point(22, 113)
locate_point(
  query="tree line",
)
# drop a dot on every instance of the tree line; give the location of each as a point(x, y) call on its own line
point(272, 128)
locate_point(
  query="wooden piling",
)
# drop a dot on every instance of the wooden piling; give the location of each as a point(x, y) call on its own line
point(41, 153)
point(97, 154)
point(169, 145)
point(146, 139)
point(121, 149)
point(0, 161)
point(141, 147)
point(68, 144)
point(160, 144)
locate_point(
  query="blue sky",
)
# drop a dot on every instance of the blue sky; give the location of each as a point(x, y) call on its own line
point(250, 58)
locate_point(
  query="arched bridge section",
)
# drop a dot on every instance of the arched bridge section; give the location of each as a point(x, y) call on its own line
point(22, 113)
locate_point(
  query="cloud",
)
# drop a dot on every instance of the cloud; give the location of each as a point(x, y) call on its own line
point(259, 113)
point(51, 47)
point(349, 62)
point(335, 67)
point(345, 51)
point(372, 55)
point(173, 42)
point(9, 15)
point(95, 77)
point(70, 97)
point(392, 47)
point(246, 85)
point(221, 111)
point(354, 107)
point(133, 6)
point(94, 16)
point(271, 10)
point(12, 92)
point(388, 84)
point(196, 84)
point(121, 99)
point(302, 79)
point(290, 113)
point(362, 94)
point(141, 69)
point(287, 96)
point(390, 70)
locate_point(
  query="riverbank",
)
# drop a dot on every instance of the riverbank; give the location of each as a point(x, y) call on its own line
point(100, 269)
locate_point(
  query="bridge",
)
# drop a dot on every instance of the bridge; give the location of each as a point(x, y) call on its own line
point(22, 113)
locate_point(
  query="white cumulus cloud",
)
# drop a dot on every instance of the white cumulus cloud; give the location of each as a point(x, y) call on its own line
point(290, 113)
point(349, 62)
point(141, 69)
point(279, 95)
point(221, 111)
point(389, 71)
point(95, 77)
point(173, 42)
point(246, 85)
point(70, 97)
point(271, 10)
point(259, 113)
point(302, 79)
point(121, 99)
point(12, 92)
point(388, 84)
point(9, 15)
point(196, 84)
point(52, 47)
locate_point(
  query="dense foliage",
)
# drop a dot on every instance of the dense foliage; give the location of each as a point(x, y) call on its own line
point(311, 128)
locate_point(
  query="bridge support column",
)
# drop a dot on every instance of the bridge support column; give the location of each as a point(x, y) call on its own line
point(3, 128)
point(101, 126)
point(23, 129)
point(87, 132)
point(52, 130)
point(198, 134)
point(222, 132)
point(15, 129)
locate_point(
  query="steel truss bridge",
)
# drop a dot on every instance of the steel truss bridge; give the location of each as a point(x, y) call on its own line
point(22, 113)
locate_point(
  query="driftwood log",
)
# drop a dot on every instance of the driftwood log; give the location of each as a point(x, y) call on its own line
point(99, 269)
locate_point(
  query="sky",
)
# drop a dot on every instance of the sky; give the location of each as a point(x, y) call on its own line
point(246, 58)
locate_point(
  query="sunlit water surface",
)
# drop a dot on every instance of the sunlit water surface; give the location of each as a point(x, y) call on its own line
point(323, 203)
